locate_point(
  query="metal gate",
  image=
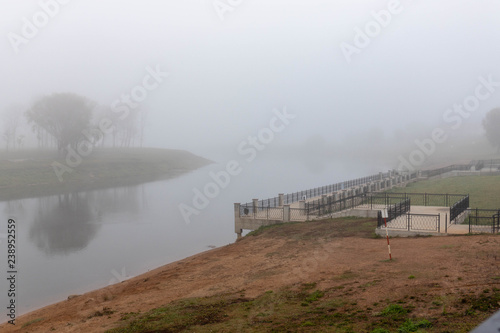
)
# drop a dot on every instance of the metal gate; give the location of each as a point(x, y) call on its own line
point(496, 223)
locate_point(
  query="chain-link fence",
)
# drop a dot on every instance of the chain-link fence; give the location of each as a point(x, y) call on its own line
point(483, 220)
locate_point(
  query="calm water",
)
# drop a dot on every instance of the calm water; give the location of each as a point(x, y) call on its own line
point(75, 243)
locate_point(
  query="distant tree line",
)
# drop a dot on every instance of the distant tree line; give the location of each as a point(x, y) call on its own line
point(63, 120)
point(491, 124)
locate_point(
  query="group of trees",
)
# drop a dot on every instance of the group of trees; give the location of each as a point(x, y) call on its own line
point(12, 121)
point(64, 119)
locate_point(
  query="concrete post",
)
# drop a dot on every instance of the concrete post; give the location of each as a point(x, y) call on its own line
point(255, 206)
point(302, 206)
point(380, 175)
point(281, 199)
point(323, 199)
point(286, 213)
point(237, 228)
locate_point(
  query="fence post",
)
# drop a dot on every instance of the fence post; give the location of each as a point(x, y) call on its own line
point(498, 221)
point(408, 221)
point(439, 223)
point(237, 216)
point(280, 200)
point(470, 223)
point(255, 203)
point(286, 213)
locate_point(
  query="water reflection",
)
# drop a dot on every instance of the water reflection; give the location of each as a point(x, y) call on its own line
point(67, 223)
point(63, 224)
point(15, 207)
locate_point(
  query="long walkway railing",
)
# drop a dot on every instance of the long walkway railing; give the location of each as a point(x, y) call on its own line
point(318, 191)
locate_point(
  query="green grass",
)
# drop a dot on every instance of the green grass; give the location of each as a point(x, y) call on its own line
point(410, 326)
point(30, 173)
point(299, 310)
point(329, 228)
point(394, 311)
point(483, 190)
point(32, 322)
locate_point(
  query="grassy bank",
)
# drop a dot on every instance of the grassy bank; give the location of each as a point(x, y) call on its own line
point(321, 276)
point(307, 309)
point(483, 190)
point(30, 173)
point(355, 300)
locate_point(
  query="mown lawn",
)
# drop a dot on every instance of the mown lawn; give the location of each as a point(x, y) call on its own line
point(30, 173)
point(484, 191)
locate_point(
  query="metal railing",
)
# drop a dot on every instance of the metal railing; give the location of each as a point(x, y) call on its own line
point(318, 191)
point(394, 211)
point(298, 214)
point(492, 164)
point(453, 167)
point(424, 222)
point(483, 220)
point(314, 208)
point(414, 222)
point(417, 199)
point(382, 200)
point(458, 208)
point(328, 205)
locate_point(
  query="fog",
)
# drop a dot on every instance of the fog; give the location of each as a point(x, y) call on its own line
point(231, 63)
point(290, 94)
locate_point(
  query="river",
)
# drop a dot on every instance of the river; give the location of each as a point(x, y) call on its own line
point(71, 244)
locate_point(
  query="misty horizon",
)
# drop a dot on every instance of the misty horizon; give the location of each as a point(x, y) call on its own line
point(226, 76)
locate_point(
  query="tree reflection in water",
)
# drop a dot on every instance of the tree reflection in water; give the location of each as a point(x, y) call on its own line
point(64, 224)
point(67, 223)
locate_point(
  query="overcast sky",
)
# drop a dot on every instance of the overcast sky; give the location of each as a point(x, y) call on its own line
point(226, 75)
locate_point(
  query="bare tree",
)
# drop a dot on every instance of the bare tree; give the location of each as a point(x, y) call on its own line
point(11, 123)
point(143, 115)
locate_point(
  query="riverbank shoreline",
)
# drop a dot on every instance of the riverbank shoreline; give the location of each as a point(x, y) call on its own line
point(32, 173)
point(264, 279)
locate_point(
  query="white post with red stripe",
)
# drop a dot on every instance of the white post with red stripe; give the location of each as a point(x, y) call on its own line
point(385, 215)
